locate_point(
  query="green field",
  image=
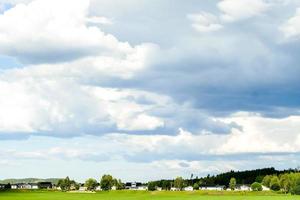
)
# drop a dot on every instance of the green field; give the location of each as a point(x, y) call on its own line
point(141, 195)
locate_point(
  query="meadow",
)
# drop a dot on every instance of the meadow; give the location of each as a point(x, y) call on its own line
point(144, 195)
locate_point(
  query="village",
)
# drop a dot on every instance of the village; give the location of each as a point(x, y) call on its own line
point(128, 186)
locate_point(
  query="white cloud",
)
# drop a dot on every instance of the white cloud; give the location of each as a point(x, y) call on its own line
point(205, 22)
point(100, 20)
point(57, 30)
point(235, 10)
point(63, 107)
point(291, 28)
point(263, 135)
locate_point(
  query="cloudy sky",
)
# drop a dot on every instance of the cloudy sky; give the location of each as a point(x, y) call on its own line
point(148, 89)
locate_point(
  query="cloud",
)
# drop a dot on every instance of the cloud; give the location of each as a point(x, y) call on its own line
point(45, 37)
point(291, 28)
point(205, 22)
point(235, 10)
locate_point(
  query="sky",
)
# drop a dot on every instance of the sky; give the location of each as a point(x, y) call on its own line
point(148, 90)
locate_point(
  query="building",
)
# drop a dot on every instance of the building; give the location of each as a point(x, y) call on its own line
point(213, 188)
point(243, 188)
point(45, 185)
point(4, 186)
point(142, 187)
point(174, 189)
point(158, 188)
point(132, 185)
point(25, 186)
point(189, 188)
point(264, 188)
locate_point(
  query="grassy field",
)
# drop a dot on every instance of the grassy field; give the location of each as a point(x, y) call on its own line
point(141, 195)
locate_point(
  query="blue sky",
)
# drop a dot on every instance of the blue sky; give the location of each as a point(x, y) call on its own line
point(148, 89)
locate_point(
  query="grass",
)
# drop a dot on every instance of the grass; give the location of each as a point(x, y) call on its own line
point(144, 195)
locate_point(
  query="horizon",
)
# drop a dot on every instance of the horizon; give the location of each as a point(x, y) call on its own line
point(148, 89)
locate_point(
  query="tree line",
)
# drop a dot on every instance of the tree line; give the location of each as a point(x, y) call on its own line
point(106, 183)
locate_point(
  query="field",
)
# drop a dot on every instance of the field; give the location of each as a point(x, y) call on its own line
point(142, 195)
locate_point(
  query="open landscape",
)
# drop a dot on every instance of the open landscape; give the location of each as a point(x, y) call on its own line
point(144, 195)
point(149, 99)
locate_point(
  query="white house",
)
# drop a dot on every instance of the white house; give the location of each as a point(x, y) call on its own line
point(14, 186)
point(82, 188)
point(174, 189)
point(142, 188)
point(189, 188)
point(265, 188)
point(34, 186)
point(217, 188)
point(158, 188)
point(98, 188)
point(114, 187)
point(243, 188)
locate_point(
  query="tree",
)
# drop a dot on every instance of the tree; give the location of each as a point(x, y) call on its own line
point(196, 186)
point(275, 183)
point(106, 182)
point(91, 184)
point(296, 188)
point(151, 186)
point(119, 185)
point(285, 182)
point(266, 181)
point(65, 184)
point(256, 186)
point(166, 185)
point(179, 183)
point(232, 183)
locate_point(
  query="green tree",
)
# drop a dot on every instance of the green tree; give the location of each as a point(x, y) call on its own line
point(266, 181)
point(179, 183)
point(119, 185)
point(65, 184)
point(232, 183)
point(91, 184)
point(296, 188)
point(151, 186)
point(196, 186)
point(256, 186)
point(285, 182)
point(275, 183)
point(106, 182)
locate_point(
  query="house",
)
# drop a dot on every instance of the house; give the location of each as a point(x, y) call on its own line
point(189, 188)
point(243, 188)
point(98, 188)
point(264, 188)
point(34, 186)
point(132, 185)
point(142, 188)
point(174, 189)
point(82, 188)
point(14, 186)
point(3, 186)
point(45, 185)
point(114, 187)
point(216, 188)
point(158, 188)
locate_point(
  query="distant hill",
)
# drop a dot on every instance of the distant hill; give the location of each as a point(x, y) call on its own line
point(29, 180)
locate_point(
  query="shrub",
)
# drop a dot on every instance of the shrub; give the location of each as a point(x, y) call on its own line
point(196, 186)
point(275, 184)
point(151, 186)
point(256, 186)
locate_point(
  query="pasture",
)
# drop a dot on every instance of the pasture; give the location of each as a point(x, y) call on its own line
point(144, 195)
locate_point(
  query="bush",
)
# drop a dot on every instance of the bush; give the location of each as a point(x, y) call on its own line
point(151, 186)
point(196, 186)
point(275, 184)
point(296, 188)
point(256, 186)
